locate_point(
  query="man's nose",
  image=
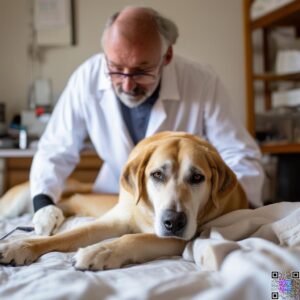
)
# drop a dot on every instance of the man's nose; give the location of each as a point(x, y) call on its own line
point(128, 84)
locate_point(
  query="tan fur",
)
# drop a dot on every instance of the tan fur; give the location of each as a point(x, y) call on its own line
point(91, 205)
point(15, 202)
point(135, 217)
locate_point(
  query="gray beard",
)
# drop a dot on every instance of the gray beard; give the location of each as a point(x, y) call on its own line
point(130, 100)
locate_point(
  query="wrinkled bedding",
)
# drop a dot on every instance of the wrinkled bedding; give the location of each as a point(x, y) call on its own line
point(233, 258)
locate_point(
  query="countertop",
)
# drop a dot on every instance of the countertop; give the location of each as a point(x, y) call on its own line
point(8, 153)
point(14, 152)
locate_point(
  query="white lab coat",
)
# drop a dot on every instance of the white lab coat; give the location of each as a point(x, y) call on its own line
point(191, 99)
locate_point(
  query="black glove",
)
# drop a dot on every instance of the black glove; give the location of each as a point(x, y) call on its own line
point(41, 200)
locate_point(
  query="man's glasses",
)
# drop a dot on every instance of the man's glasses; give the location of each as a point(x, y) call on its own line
point(139, 78)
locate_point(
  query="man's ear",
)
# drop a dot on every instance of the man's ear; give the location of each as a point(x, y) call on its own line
point(133, 176)
point(223, 179)
point(168, 56)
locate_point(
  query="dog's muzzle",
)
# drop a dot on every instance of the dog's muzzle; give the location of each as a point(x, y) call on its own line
point(173, 222)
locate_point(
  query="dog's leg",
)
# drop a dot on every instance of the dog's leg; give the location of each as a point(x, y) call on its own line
point(25, 251)
point(130, 248)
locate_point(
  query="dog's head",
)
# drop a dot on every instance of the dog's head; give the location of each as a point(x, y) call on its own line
point(183, 179)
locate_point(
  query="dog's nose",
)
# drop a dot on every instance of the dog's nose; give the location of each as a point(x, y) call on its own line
point(174, 221)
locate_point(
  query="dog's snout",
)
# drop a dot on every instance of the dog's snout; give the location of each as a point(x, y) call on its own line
point(173, 221)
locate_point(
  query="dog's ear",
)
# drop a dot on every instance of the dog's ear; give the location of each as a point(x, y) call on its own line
point(223, 180)
point(133, 176)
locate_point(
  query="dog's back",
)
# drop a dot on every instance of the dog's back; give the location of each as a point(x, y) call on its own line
point(77, 199)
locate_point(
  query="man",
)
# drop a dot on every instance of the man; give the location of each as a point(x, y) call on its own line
point(135, 89)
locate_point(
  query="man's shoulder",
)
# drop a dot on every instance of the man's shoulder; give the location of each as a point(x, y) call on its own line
point(87, 72)
point(189, 67)
point(91, 64)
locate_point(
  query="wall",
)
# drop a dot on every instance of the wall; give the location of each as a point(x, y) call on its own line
point(211, 31)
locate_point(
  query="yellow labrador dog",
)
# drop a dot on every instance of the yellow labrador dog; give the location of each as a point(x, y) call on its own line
point(172, 183)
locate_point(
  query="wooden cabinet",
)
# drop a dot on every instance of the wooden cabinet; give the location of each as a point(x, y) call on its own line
point(287, 15)
point(17, 168)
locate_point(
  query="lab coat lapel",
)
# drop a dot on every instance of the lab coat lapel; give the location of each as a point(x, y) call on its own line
point(169, 91)
point(118, 129)
point(157, 117)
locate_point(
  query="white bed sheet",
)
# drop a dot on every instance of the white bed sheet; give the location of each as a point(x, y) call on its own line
point(262, 241)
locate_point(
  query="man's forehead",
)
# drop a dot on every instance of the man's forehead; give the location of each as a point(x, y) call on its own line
point(127, 45)
point(116, 62)
point(123, 54)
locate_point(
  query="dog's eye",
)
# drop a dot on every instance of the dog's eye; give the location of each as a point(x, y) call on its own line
point(196, 178)
point(158, 176)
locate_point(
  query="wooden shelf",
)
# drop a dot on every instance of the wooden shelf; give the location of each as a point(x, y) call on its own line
point(277, 77)
point(280, 148)
point(287, 15)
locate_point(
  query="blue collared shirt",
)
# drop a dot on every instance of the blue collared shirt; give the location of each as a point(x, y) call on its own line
point(136, 118)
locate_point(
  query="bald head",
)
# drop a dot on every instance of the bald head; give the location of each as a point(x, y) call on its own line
point(141, 24)
point(134, 28)
point(136, 24)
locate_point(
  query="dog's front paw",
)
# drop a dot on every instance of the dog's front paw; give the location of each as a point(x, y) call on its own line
point(102, 256)
point(16, 253)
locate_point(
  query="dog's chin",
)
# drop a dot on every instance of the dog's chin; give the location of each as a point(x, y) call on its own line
point(170, 235)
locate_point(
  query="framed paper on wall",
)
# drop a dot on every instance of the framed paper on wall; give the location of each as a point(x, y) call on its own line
point(54, 22)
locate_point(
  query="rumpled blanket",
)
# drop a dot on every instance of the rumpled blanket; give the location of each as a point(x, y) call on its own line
point(247, 254)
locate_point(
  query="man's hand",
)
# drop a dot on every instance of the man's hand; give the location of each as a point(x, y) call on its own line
point(47, 220)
